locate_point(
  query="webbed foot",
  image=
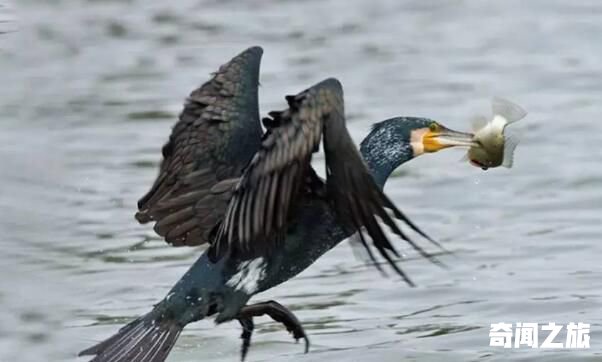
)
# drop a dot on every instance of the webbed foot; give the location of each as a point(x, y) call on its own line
point(278, 313)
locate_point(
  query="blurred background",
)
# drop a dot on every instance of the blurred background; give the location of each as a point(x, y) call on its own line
point(91, 88)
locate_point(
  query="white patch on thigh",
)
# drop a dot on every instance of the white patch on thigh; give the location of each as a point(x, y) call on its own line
point(248, 276)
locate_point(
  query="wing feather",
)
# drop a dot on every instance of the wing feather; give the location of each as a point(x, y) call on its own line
point(217, 133)
point(272, 180)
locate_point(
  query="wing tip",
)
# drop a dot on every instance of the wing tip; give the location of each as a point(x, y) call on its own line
point(252, 54)
point(254, 49)
point(332, 83)
point(142, 217)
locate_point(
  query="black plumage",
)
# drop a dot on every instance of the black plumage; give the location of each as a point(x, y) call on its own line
point(255, 199)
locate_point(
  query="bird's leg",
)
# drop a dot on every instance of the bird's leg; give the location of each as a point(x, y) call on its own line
point(247, 330)
point(278, 313)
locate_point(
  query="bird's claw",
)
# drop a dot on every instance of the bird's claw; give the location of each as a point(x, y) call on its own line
point(278, 313)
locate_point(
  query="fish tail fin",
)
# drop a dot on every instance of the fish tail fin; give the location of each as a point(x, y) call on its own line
point(510, 142)
point(146, 339)
point(510, 111)
point(478, 122)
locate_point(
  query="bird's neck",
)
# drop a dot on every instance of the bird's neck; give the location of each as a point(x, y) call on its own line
point(384, 149)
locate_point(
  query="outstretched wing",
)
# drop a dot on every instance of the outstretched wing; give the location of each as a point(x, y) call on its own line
point(216, 135)
point(264, 197)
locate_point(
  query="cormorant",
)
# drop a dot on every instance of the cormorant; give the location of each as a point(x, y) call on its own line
point(258, 203)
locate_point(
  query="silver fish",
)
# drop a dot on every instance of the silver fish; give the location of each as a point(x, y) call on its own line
point(493, 146)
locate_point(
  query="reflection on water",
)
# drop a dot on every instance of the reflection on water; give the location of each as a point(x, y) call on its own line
point(91, 89)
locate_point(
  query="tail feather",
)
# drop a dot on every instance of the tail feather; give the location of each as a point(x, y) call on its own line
point(143, 340)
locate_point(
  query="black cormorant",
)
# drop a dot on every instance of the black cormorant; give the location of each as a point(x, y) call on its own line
point(254, 198)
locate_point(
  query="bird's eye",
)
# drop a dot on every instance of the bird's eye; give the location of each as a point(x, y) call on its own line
point(433, 127)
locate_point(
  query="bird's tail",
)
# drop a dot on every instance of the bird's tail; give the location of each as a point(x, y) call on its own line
point(147, 339)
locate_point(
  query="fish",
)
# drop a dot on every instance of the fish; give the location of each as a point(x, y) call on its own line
point(492, 145)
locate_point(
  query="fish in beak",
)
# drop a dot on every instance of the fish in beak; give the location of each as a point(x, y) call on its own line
point(494, 146)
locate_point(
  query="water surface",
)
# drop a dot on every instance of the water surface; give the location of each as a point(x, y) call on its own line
point(92, 88)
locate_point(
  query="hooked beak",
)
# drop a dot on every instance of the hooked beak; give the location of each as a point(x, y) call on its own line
point(442, 137)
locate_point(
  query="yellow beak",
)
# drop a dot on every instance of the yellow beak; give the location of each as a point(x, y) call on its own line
point(442, 137)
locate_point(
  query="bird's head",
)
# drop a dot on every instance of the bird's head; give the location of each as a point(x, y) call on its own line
point(397, 140)
point(407, 137)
